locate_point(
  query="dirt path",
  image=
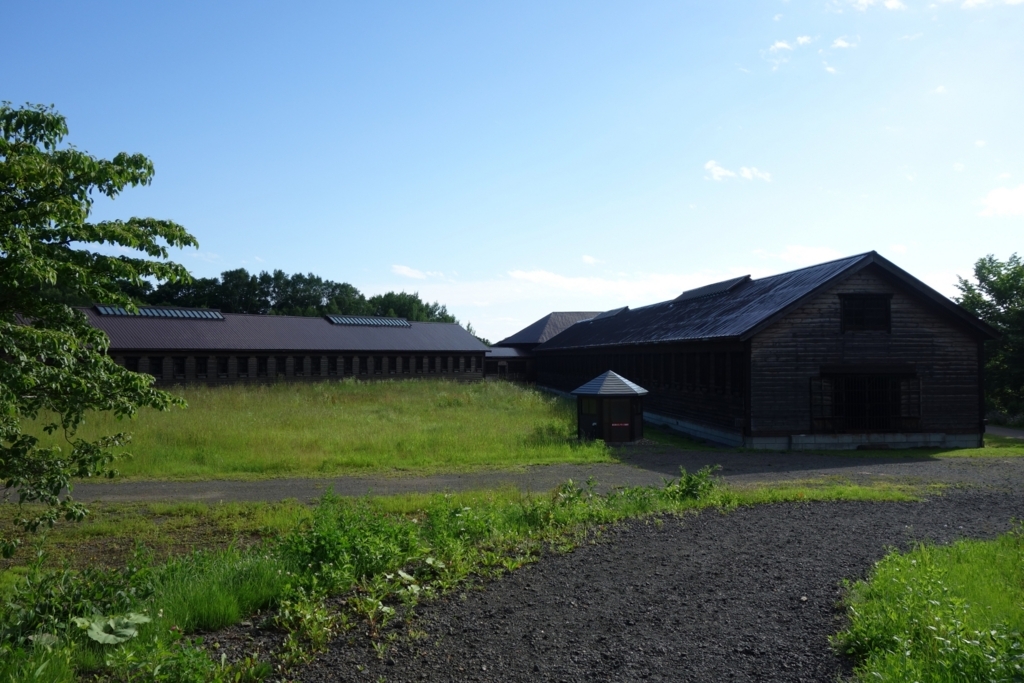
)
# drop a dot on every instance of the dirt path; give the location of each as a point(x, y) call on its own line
point(639, 465)
point(748, 595)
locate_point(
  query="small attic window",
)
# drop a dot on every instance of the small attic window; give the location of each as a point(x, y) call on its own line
point(866, 312)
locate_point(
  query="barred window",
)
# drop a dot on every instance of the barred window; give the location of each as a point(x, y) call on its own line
point(156, 366)
point(178, 367)
point(202, 365)
point(865, 403)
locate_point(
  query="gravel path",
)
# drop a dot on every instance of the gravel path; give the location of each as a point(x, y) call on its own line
point(749, 595)
point(646, 464)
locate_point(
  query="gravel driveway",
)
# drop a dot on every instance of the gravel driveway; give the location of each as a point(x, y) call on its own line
point(643, 464)
point(748, 595)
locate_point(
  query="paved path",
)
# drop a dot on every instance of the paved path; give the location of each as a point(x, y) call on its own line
point(1005, 431)
point(639, 465)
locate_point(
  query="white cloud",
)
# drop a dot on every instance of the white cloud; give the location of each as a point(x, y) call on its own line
point(409, 272)
point(777, 17)
point(887, 4)
point(958, 167)
point(802, 255)
point(941, 90)
point(830, 69)
point(258, 259)
point(970, 4)
point(1003, 176)
point(780, 45)
point(803, 40)
point(842, 42)
point(1004, 201)
point(751, 173)
point(979, 143)
point(590, 260)
point(207, 256)
point(717, 172)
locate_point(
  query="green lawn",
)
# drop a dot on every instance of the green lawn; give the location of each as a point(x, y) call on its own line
point(940, 614)
point(334, 428)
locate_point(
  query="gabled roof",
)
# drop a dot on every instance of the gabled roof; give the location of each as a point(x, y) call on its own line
point(740, 308)
point(610, 384)
point(269, 333)
point(547, 327)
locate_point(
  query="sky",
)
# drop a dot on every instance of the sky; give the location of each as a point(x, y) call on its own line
point(511, 159)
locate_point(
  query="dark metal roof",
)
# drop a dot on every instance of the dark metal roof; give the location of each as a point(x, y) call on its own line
point(507, 352)
point(367, 321)
point(740, 309)
point(546, 328)
point(610, 384)
point(268, 333)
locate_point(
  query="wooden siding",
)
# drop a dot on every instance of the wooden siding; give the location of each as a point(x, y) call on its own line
point(301, 367)
point(786, 355)
point(710, 394)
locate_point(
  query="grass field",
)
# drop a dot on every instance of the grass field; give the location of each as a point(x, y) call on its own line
point(938, 614)
point(335, 428)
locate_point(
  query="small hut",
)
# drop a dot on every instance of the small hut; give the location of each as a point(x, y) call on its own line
point(610, 407)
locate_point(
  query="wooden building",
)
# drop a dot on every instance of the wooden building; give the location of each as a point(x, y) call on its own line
point(851, 353)
point(179, 345)
point(512, 357)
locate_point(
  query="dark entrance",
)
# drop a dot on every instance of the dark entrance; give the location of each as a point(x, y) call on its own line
point(610, 407)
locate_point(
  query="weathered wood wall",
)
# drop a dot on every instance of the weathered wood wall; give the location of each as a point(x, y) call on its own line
point(696, 382)
point(787, 354)
point(299, 367)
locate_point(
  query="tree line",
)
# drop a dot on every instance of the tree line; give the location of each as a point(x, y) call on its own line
point(277, 293)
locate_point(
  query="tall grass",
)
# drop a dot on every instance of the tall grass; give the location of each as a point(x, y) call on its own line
point(941, 614)
point(347, 427)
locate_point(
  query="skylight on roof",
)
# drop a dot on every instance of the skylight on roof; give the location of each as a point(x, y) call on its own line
point(162, 312)
point(367, 321)
point(716, 288)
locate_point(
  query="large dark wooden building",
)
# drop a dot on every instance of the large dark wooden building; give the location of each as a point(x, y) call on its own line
point(851, 353)
point(179, 345)
point(512, 357)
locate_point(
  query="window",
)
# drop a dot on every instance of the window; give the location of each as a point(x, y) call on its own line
point(736, 373)
point(431, 364)
point(419, 363)
point(392, 365)
point(202, 366)
point(865, 403)
point(300, 366)
point(156, 366)
point(281, 366)
point(348, 365)
point(378, 364)
point(865, 312)
point(704, 371)
point(721, 372)
point(455, 363)
point(261, 366)
point(131, 363)
point(678, 370)
point(222, 366)
point(364, 365)
point(332, 365)
point(178, 367)
point(406, 365)
point(691, 371)
point(315, 366)
point(469, 363)
point(242, 365)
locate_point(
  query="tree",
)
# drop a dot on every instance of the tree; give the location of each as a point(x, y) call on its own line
point(469, 328)
point(997, 297)
point(54, 365)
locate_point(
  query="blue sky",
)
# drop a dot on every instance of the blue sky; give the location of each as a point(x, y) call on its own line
point(513, 159)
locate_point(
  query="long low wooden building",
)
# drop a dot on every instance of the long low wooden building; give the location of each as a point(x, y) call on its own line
point(851, 353)
point(180, 345)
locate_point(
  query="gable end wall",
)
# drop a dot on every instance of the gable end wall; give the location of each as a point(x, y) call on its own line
point(786, 355)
